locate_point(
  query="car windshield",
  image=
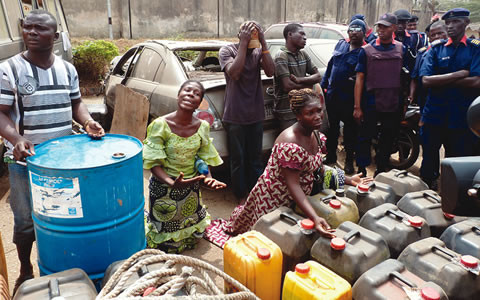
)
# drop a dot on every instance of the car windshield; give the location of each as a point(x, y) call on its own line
point(200, 64)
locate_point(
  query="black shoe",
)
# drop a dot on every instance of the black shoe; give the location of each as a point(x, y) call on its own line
point(330, 160)
point(349, 167)
point(363, 171)
point(432, 184)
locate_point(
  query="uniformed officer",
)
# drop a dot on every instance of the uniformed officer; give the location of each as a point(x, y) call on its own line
point(412, 28)
point(377, 94)
point(369, 33)
point(451, 71)
point(418, 94)
point(339, 81)
point(411, 40)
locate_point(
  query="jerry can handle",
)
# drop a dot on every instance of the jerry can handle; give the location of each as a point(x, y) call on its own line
point(327, 199)
point(351, 234)
point(431, 196)
point(402, 278)
point(396, 214)
point(476, 229)
point(444, 251)
point(290, 217)
point(53, 288)
point(398, 174)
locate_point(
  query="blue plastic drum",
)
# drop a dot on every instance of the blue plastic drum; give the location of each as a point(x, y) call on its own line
point(87, 200)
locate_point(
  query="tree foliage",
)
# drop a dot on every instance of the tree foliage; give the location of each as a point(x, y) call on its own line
point(91, 59)
point(472, 5)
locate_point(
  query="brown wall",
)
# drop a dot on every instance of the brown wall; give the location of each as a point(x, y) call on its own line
point(209, 18)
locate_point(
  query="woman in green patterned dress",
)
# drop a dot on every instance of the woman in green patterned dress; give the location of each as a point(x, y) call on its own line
point(177, 217)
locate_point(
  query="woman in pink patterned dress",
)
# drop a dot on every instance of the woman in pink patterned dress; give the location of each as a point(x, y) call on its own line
point(288, 176)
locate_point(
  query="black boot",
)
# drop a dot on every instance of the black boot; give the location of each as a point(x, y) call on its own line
point(24, 250)
point(349, 169)
point(362, 170)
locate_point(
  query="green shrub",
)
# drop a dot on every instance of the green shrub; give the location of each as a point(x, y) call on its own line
point(91, 59)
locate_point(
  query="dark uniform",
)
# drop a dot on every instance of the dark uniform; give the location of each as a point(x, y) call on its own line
point(339, 81)
point(445, 111)
point(421, 91)
point(412, 42)
point(370, 36)
point(374, 111)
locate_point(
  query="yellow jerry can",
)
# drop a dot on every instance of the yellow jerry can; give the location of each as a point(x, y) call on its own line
point(256, 262)
point(311, 280)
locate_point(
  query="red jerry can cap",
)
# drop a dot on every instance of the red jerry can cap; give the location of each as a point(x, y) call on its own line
point(263, 253)
point(337, 243)
point(307, 224)
point(302, 268)
point(335, 204)
point(469, 261)
point(415, 221)
point(429, 293)
point(363, 188)
point(448, 216)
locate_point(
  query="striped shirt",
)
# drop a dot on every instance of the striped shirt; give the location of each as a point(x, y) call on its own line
point(40, 99)
point(286, 63)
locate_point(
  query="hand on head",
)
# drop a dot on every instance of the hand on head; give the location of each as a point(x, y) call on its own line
point(245, 32)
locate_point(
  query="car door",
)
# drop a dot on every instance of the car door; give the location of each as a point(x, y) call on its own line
point(143, 71)
point(118, 74)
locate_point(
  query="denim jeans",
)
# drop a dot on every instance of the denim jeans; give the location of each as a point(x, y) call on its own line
point(20, 204)
point(245, 153)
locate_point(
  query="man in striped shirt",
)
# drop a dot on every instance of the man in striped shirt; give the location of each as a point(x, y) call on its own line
point(292, 65)
point(39, 95)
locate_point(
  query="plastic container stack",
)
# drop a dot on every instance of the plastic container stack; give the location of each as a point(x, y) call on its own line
point(401, 182)
point(369, 196)
point(352, 252)
point(291, 232)
point(458, 275)
point(334, 207)
point(397, 228)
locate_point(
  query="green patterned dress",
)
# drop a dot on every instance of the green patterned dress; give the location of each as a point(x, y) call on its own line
point(177, 218)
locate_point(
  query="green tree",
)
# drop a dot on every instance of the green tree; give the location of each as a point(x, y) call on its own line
point(472, 5)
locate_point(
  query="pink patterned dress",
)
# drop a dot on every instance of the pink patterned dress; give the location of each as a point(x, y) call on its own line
point(270, 192)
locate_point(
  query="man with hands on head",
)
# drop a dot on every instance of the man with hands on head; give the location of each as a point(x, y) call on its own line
point(244, 110)
point(39, 95)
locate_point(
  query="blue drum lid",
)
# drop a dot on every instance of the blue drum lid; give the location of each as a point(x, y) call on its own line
point(82, 152)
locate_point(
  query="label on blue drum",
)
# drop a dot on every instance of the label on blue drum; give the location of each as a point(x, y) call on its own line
point(56, 197)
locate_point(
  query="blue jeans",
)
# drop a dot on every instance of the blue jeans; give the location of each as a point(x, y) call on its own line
point(245, 153)
point(20, 204)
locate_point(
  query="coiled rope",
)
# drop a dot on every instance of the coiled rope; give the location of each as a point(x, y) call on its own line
point(166, 281)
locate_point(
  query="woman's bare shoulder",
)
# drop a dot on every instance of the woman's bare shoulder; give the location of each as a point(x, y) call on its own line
point(286, 136)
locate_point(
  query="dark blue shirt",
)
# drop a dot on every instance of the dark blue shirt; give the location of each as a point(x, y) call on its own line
point(362, 67)
point(421, 91)
point(370, 36)
point(413, 42)
point(447, 106)
point(339, 79)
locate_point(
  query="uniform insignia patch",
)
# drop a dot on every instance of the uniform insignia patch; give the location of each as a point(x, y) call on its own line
point(475, 42)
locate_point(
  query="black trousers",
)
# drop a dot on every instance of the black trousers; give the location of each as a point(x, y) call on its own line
point(386, 132)
point(341, 111)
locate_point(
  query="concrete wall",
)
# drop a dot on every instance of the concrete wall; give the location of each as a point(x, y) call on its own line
point(209, 18)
